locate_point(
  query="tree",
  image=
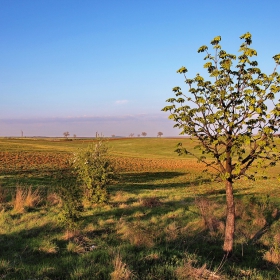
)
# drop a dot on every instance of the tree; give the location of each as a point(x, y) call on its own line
point(159, 134)
point(66, 134)
point(144, 134)
point(228, 117)
point(131, 134)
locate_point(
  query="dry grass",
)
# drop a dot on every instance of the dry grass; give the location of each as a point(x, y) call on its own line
point(273, 256)
point(18, 202)
point(135, 233)
point(121, 271)
point(79, 244)
point(150, 202)
point(3, 194)
point(190, 272)
point(48, 247)
point(172, 231)
point(120, 196)
point(70, 234)
point(25, 199)
point(206, 209)
point(33, 198)
point(75, 248)
point(54, 199)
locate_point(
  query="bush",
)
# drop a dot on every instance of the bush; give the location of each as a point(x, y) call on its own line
point(95, 171)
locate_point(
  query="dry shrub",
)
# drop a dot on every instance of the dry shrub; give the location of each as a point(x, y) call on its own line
point(121, 271)
point(206, 209)
point(273, 256)
point(150, 202)
point(135, 233)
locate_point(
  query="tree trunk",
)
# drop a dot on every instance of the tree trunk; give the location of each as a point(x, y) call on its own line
point(230, 222)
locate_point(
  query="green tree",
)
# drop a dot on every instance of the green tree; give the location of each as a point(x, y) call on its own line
point(228, 116)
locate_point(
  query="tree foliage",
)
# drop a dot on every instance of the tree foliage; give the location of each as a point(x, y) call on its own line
point(228, 116)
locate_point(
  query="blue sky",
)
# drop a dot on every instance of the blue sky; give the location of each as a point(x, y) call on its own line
point(108, 66)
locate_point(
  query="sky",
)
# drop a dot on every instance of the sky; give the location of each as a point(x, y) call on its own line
point(108, 66)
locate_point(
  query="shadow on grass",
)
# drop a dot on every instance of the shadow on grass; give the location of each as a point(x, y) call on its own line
point(24, 255)
point(26, 260)
point(33, 177)
point(138, 182)
point(206, 246)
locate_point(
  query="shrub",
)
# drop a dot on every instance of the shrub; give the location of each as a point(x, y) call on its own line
point(72, 207)
point(94, 169)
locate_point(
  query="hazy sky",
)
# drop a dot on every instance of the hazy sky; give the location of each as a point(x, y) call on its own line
point(108, 66)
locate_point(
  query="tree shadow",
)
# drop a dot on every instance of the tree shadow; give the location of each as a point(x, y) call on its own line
point(139, 182)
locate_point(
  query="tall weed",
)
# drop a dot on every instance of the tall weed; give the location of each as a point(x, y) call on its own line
point(121, 270)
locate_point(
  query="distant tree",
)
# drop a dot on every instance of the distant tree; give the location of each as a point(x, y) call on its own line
point(131, 134)
point(66, 134)
point(74, 136)
point(228, 117)
point(144, 134)
point(113, 135)
point(159, 134)
point(138, 135)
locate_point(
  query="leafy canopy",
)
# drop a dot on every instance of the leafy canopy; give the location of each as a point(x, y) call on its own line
point(228, 114)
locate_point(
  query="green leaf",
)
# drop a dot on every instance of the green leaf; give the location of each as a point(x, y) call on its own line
point(202, 49)
point(182, 70)
point(216, 40)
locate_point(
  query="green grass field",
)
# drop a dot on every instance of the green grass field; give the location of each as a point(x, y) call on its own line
point(165, 218)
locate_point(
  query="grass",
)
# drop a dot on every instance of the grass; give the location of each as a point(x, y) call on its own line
point(165, 218)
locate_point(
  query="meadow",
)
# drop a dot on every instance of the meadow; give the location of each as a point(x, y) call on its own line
point(164, 220)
